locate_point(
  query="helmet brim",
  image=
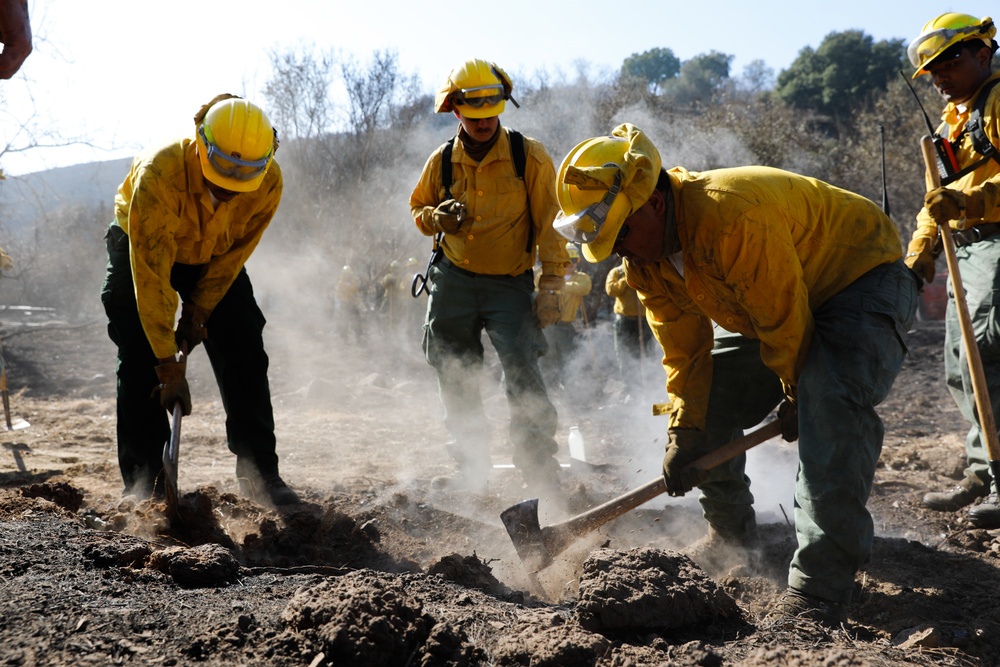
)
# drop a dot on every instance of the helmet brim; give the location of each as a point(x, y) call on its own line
point(485, 111)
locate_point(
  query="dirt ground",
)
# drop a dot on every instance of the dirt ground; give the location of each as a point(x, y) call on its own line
point(378, 567)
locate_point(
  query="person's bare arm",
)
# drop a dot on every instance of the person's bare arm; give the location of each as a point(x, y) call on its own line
point(15, 33)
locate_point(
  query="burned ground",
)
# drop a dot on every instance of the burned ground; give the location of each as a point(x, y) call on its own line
point(378, 567)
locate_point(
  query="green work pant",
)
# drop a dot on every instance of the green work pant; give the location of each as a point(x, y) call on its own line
point(460, 306)
point(235, 348)
point(855, 353)
point(979, 266)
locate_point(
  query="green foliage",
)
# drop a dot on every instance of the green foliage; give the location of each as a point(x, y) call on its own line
point(654, 68)
point(841, 74)
point(701, 78)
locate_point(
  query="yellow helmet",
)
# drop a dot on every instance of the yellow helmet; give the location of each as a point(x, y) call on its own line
point(600, 183)
point(476, 89)
point(574, 253)
point(236, 144)
point(945, 31)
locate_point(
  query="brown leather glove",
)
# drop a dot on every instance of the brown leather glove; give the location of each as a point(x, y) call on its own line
point(920, 258)
point(548, 302)
point(191, 327)
point(173, 386)
point(946, 204)
point(448, 216)
point(684, 445)
point(788, 415)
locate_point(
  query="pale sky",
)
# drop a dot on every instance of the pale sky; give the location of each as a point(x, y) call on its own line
point(121, 74)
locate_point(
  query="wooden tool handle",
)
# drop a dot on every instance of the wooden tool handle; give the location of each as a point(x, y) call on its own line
point(616, 507)
point(979, 388)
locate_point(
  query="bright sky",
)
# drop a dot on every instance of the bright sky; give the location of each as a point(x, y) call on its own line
point(122, 74)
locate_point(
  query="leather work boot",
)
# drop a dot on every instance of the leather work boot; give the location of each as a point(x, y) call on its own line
point(798, 605)
point(965, 493)
point(987, 514)
point(270, 486)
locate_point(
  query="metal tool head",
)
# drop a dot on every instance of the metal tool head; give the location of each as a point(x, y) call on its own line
point(521, 522)
point(170, 459)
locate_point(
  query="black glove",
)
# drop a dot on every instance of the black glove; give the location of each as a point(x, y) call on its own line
point(788, 415)
point(684, 445)
point(173, 386)
point(191, 327)
point(448, 216)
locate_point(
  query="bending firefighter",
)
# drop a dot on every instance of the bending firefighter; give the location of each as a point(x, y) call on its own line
point(187, 217)
point(810, 277)
point(489, 193)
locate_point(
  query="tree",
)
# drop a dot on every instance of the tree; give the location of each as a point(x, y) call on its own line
point(700, 78)
point(654, 68)
point(841, 74)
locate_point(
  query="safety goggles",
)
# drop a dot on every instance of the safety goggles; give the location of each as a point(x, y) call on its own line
point(231, 166)
point(585, 226)
point(481, 96)
point(925, 47)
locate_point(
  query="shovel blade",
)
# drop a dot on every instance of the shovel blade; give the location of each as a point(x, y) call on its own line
point(170, 458)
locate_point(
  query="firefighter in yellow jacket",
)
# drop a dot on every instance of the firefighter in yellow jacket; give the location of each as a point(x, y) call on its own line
point(811, 278)
point(494, 220)
point(562, 336)
point(187, 217)
point(956, 50)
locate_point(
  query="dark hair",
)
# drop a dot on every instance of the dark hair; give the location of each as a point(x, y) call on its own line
point(663, 181)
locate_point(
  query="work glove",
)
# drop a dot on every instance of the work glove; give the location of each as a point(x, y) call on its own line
point(920, 258)
point(448, 216)
point(945, 205)
point(191, 327)
point(173, 386)
point(684, 445)
point(788, 415)
point(548, 302)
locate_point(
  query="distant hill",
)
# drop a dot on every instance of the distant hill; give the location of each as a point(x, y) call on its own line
point(26, 200)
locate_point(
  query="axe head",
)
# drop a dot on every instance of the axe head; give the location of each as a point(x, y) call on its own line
point(521, 522)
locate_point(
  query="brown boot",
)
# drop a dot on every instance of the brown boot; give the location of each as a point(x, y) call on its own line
point(987, 514)
point(966, 493)
point(720, 555)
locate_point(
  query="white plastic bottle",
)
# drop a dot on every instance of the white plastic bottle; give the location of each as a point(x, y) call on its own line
point(576, 449)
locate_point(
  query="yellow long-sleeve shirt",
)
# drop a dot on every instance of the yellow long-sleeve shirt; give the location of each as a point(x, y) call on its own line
point(626, 299)
point(501, 209)
point(761, 248)
point(986, 177)
point(169, 216)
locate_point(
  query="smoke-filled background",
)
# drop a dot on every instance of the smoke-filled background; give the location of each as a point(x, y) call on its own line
point(355, 135)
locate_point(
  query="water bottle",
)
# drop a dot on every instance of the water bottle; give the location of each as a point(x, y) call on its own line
point(576, 450)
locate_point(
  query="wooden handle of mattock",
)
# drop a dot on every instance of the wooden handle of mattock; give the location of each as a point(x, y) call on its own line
point(983, 405)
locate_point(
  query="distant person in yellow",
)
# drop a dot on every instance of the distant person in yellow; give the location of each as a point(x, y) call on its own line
point(632, 333)
point(187, 217)
point(489, 192)
point(563, 335)
point(350, 306)
point(15, 34)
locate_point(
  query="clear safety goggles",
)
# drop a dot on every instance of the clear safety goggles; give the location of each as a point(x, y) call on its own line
point(480, 96)
point(926, 47)
point(231, 166)
point(584, 227)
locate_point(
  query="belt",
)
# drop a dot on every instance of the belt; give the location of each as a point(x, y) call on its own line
point(502, 276)
point(964, 237)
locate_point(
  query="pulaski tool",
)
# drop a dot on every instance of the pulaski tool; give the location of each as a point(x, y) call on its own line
point(171, 451)
point(537, 546)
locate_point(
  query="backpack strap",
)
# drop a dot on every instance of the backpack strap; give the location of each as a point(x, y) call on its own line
point(980, 142)
point(446, 166)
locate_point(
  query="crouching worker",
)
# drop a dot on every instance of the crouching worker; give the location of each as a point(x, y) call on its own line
point(811, 278)
point(187, 217)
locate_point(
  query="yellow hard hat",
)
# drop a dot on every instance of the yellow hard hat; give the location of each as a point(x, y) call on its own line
point(574, 253)
point(236, 144)
point(945, 31)
point(600, 183)
point(476, 89)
